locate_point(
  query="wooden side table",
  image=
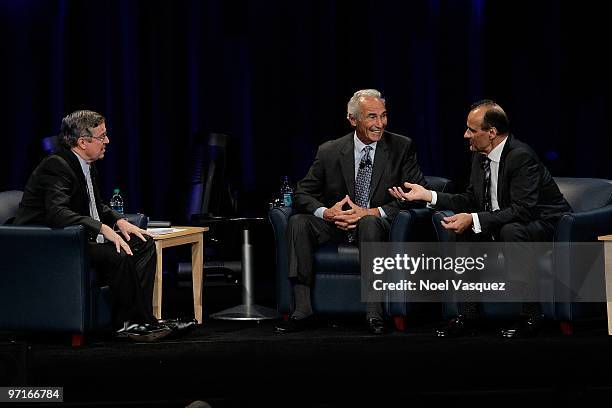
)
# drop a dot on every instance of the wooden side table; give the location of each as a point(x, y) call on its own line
point(187, 235)
point(608, 260)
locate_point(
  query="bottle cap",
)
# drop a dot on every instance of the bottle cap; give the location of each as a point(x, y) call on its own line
point(116, 191)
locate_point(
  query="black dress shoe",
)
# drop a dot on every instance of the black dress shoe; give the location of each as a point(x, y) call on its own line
point(376, 325)
point(180, 325)
point(295, 325)
point(457, 327)
point(143, 332)
point(527, 326)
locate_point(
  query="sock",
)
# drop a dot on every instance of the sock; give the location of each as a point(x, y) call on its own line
point(373, 309)
point(303, 307)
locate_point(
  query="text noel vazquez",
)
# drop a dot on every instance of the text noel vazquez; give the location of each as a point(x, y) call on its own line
point(427, 285)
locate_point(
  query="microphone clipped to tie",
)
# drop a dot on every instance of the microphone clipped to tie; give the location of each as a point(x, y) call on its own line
point(367, 162)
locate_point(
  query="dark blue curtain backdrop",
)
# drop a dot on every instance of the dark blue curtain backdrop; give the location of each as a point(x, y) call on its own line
point(275, 75)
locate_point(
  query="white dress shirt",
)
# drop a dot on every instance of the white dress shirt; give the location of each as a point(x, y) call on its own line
point(495, 157)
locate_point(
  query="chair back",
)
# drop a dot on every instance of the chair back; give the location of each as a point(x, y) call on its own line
point(440, 184)
point(49, 144)
point(585, 194)
point(209, 189)
point(9, 202)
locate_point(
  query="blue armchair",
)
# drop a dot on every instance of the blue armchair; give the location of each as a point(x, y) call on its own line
point(46, 283)
point(591, 201)
point(337, 280)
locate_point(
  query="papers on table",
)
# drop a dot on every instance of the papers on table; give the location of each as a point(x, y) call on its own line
point(163, 231)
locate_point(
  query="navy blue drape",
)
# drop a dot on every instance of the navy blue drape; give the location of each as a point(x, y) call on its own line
point(275, 75)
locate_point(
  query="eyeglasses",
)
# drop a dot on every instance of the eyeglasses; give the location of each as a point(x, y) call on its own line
point(100, 138)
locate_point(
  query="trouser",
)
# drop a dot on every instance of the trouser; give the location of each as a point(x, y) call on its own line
point(305, 232)
point(534, 231)
point(130, 278)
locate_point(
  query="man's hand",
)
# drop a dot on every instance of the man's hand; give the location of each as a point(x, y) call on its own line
point(458, 222)
point(349, 221)
point(116, 239)
point(330, 213)
point(126, 229)
point(417, 193)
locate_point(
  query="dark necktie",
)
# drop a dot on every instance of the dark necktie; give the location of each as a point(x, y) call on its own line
point(486, 166)
point(362, 184)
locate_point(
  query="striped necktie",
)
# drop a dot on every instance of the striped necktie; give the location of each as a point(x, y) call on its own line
point(486, 166)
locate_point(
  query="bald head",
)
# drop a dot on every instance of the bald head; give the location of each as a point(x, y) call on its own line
point(493, 116)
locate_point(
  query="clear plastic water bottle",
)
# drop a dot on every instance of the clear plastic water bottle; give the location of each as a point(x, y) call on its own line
point(286, 192)
point(116, 201)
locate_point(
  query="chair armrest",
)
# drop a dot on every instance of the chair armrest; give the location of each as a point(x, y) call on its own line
point(413, 225)
point(279, 217)
point(584, 226)
point(44, 279)
point(442, 233)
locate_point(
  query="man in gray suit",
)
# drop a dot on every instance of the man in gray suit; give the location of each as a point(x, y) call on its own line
point(344, 197)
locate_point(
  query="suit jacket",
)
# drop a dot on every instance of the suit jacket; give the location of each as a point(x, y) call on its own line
point(56, 196)
point(525, 190)
point(332, 175)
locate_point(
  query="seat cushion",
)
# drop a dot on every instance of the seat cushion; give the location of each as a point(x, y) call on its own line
point(337, 293)
point(337, 259)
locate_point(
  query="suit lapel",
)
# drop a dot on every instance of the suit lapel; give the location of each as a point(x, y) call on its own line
point(381, 158)
point(347, 163)
point(75, 166)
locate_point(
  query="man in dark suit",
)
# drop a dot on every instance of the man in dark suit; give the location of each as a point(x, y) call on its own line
point(511, 198)
point(344, 197)
point(62, 191)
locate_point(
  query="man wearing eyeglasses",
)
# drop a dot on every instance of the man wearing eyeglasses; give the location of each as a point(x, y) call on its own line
point(62, 191)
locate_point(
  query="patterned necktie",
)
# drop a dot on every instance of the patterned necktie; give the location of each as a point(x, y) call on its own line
point(93, 210)
point(486, 166)
point(362, 184)
point(364, 175)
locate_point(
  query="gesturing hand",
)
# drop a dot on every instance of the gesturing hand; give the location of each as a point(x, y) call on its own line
point(416, 193)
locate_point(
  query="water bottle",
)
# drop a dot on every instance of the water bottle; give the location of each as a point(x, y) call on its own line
point(286, 192)
point(116, 201)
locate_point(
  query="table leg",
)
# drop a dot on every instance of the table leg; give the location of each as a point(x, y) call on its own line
point(157, 286)
point(197, 259)
point(608, 274)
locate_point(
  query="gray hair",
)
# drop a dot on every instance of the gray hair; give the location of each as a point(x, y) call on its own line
point(78, 124)
point(352, 108)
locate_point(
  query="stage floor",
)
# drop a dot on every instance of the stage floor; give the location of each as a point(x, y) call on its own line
point(237, 364)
